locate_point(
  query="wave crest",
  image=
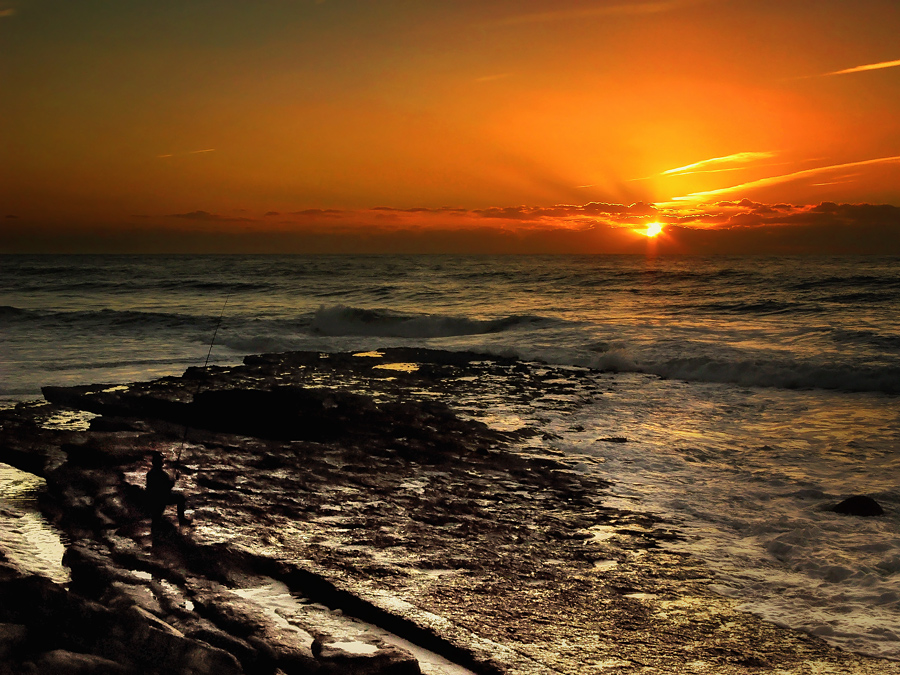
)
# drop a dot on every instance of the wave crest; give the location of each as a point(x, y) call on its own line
point(753, 372)
point(341, 320)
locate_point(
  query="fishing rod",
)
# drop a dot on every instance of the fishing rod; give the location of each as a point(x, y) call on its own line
point(187, 427)
point(216, 332)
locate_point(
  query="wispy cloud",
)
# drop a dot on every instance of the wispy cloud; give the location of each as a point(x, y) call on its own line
point(181, 154)
point(736, 158)
point(621, 9)
point(784, 178)
point(492, 78)
point(4, 13)
point(862, 69)
point(839, 180)
point(831, 182)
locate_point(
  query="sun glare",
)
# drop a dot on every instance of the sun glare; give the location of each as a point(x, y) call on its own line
point(653, 229)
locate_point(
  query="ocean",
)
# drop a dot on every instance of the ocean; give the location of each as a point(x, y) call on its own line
point(736, 397)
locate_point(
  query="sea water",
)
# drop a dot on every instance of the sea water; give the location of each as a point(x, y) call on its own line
point(752, 393)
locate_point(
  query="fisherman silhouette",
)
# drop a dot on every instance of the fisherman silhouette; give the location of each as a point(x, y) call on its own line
point(161, 492)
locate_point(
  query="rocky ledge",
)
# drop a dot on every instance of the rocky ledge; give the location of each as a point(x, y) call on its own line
point(343, 521)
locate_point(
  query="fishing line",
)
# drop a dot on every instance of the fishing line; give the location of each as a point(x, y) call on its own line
point(187, 427)
point(215, 332)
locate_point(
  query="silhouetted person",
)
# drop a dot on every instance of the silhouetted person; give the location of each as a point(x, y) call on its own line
point(161, 492)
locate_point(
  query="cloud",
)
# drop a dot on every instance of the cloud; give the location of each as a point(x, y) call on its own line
point(492, 78)
point(195, 215)
point(207, 216)
point(562, 213)
point(314, 213)
point(744, 202)
point(570, 216)
point(738, 157)
point(861, 69)
point(726, 227)
point(775, 180)
point(839, 181)
point(182, 154)
point(827, 228)
point(622, 9)
point(421, 209)
point(595, 217)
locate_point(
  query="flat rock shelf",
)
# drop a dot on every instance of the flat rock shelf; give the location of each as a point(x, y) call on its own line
point(345, 519)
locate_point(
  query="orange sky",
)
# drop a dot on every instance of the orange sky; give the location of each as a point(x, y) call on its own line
point(486, 125)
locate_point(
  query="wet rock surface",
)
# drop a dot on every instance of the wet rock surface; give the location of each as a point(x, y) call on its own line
point(329, 486)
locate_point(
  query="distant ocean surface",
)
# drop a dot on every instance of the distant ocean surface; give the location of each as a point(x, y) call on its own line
point(753, 392)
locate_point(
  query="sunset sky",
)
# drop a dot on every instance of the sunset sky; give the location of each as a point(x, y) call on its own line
point(453, 126)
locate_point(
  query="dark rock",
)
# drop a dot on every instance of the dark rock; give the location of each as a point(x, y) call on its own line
point(288, 647)
point(282, 413)
point(231, 614)
point(110, 424)
point(12, 640)
point(165, 651)
point(859, 505)
point(141, 617)
point(62, 662)
point(109, 449)
point(251, 659)
point(100, 638)
point(339, 658)
point(90, 572)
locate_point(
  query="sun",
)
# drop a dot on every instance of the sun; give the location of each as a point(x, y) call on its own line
point(653, 230)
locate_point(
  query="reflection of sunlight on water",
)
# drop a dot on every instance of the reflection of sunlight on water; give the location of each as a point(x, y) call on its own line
point(399, 367)
point(26, 539)
point(69, 420)
point(501, 422)
point(16, 486)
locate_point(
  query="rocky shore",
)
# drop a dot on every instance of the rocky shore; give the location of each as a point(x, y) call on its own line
point(344, 520)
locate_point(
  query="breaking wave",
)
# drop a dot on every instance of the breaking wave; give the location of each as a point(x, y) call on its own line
point(780, 374)
point(341, 320)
